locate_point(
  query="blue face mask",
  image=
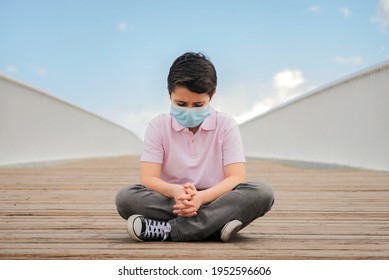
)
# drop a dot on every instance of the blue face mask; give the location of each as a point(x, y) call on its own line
point(189, 117)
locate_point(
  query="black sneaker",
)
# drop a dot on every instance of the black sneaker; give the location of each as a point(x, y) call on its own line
point(230, 229)
point(142, 229)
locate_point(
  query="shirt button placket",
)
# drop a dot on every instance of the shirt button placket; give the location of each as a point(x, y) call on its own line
point(193, 146)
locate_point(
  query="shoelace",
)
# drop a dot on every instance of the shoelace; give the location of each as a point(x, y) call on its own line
point(156, 229)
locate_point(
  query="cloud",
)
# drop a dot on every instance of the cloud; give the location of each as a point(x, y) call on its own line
point(285, 85)
point(122, 26)
point(382, 16)
point(41, 72)
point(350, 61)
point(11, 69)
point(345, 12)
point(235, 99)
point(257, 108)
point(287, 82)
point(315, 9)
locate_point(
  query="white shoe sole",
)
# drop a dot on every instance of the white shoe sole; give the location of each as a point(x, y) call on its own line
point(230, 229)
point(134, 227)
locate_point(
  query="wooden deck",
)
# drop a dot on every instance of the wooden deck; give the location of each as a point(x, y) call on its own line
point(67, 211)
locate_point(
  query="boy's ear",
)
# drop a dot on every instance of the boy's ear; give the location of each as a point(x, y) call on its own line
point(213, 94)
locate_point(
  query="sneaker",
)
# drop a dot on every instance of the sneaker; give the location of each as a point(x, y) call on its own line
point(229, 230)
point(142, 229)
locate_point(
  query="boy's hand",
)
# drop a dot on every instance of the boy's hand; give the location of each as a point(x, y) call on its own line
point(189, 203)
point(179, 194)
point(190, 189)
point(192, 206)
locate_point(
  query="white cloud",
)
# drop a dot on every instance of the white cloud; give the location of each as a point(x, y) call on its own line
point(233, 100)
point(288, 79)
point(345, 12)
point(285, 85)
point(258, 108)
point(122, 26)
point(41, 72)
point(315, 9)
point(351, 60)
point(382, 16)
point(11, 69)
point(383, 11)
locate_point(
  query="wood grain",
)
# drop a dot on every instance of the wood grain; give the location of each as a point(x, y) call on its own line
point(67, 211)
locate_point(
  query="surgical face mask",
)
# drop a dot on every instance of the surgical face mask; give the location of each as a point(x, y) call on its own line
point(189, 117)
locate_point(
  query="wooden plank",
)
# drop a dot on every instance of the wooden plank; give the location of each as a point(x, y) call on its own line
point(67, 211)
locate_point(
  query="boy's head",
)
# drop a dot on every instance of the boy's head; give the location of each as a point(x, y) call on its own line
point(193, 71)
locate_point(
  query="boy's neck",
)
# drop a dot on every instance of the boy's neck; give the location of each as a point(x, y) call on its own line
point(194, 129)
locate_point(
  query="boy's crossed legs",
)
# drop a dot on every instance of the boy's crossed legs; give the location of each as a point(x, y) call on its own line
point(245, 203)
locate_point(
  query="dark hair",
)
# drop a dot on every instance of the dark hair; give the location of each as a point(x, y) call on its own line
point(193, 71)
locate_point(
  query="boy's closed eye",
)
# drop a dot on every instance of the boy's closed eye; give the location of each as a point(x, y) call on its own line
point(184, 104)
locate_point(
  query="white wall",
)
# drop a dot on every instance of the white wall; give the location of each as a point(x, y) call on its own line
point(37, 127)
point(345, 123)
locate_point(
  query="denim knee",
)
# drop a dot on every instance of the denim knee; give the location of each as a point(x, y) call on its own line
point(123, 202)
point(261, 195)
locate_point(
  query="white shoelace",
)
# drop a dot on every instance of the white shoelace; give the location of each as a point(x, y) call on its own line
point(156, 229)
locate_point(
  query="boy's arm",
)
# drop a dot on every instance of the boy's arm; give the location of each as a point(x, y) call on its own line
point(235, 174)
point(150, 173)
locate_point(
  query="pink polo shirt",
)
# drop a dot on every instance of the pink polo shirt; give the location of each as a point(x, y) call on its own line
point(196, 158)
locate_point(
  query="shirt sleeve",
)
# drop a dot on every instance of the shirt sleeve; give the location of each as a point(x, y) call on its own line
point(152, 148)
point(233, 151)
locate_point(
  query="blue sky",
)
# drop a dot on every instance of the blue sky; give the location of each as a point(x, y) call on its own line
point(112, 57)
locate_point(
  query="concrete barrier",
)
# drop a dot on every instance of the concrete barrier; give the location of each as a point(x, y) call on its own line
point(343, 123)
point(37, 127)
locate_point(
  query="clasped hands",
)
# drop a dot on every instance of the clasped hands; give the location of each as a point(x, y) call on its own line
point(188, 200)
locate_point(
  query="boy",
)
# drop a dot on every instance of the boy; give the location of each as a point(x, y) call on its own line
point(192, 171)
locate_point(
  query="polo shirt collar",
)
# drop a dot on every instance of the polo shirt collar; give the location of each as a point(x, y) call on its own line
point(208, 124)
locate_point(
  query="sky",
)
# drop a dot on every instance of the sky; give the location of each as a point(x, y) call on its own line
point(112, 58)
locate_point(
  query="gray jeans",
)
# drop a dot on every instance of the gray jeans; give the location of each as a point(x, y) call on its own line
point(245, 203)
